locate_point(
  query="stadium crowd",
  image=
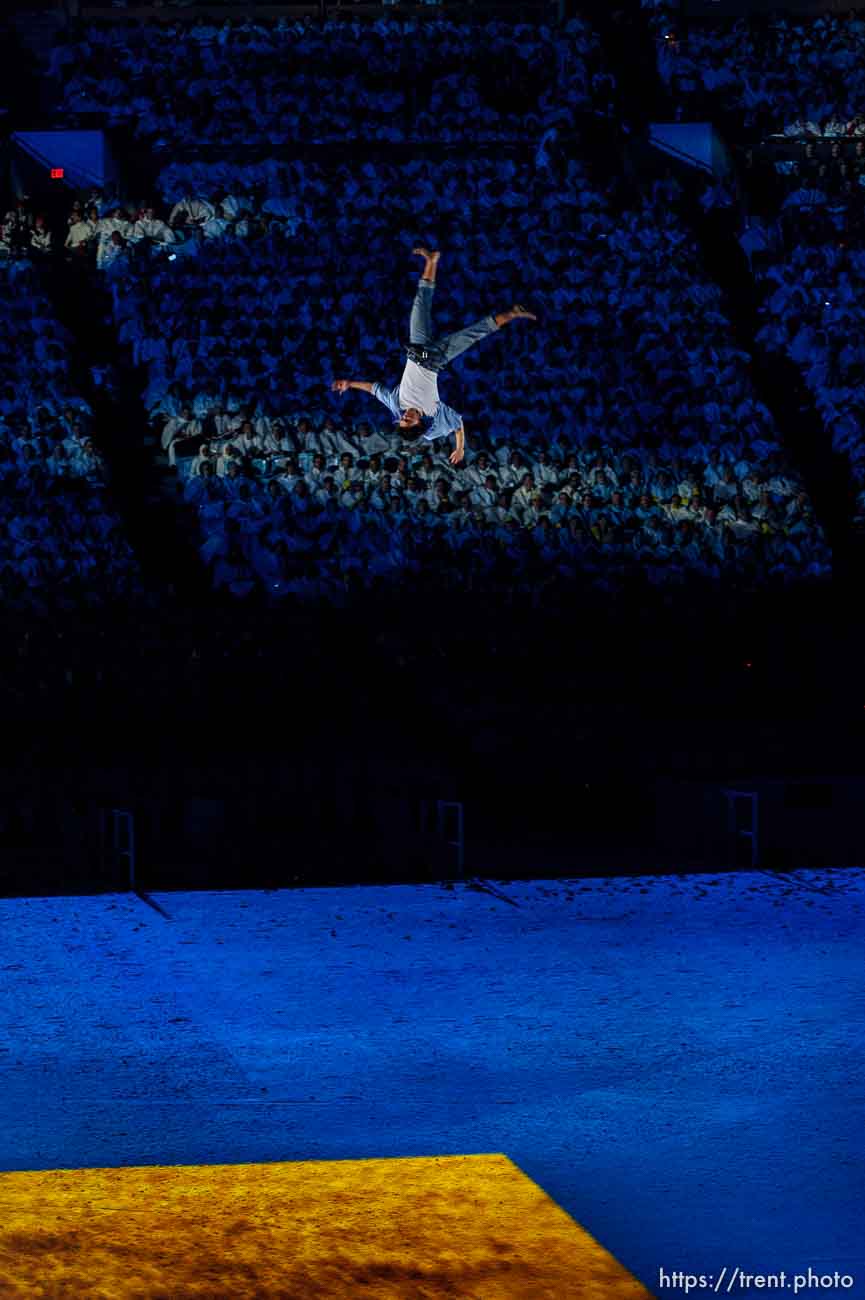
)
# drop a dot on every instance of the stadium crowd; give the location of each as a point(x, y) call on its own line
point(61, 542)
point(802, 76)
point(637, 451)
point(297, 490)
point(813, 313)
point(259, 83)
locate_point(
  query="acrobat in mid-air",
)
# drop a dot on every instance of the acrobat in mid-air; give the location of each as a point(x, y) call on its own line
point(414, 403)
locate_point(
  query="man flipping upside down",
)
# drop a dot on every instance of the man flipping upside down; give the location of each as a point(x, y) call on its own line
point(415, 402)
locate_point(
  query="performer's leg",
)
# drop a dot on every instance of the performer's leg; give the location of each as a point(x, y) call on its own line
point(420, 325)
point(451, 345)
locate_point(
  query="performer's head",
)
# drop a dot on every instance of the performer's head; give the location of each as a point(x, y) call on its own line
point(411, 424)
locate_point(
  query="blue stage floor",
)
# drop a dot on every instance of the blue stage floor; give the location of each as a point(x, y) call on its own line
point(678, 1061)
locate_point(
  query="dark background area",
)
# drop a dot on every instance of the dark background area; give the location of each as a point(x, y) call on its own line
point(304, 751)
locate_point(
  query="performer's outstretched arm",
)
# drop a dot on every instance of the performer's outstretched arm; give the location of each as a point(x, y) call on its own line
point(387, 397)
point(460, 449)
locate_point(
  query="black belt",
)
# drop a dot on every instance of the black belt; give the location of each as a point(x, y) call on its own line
point(417, 352)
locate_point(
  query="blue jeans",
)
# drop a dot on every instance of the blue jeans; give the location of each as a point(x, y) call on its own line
point(435, 354)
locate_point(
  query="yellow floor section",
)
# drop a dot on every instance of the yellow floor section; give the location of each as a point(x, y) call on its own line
point(468, 1227)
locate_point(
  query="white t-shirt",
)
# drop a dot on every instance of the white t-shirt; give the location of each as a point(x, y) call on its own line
point(419, 389)
point(80, 233)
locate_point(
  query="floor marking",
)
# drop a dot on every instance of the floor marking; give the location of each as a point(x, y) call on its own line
point(484, 887)
point(151, 902)
point(464, 1227)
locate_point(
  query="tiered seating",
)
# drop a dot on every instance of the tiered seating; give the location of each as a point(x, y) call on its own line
point(61, 543)
point(256, 83)
point(801, 75)
point(814, 313)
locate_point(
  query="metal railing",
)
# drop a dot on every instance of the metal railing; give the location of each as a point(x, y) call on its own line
point(442, 808)
point(736, 832)
point(122, 840)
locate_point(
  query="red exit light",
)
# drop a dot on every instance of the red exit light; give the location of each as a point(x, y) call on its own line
point(57, 173)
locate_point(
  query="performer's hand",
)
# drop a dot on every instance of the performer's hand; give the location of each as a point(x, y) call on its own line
point(456, 456)
point(340, 385)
